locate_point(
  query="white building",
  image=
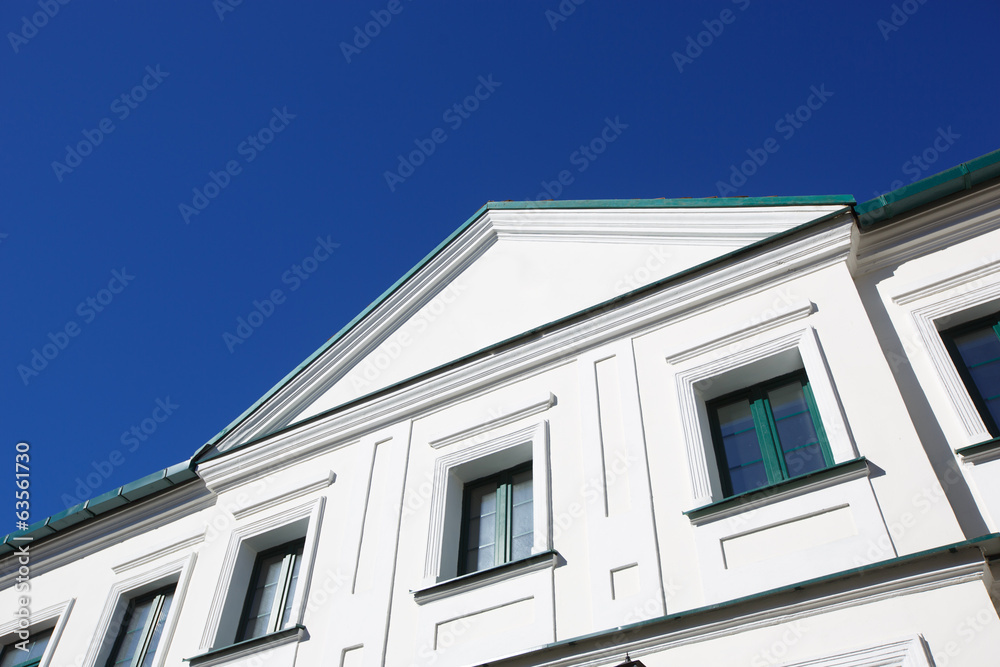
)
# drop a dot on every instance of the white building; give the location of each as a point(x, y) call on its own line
point(700, 431)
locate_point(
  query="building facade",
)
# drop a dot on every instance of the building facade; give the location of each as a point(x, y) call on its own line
point(753, 431)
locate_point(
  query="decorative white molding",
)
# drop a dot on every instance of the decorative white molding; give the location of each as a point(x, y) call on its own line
point(908, 652)
point(535, 436)
point(821, 248)
point(730, 227)
point(41, 619)
point(948, 282)
point(164, 549)
point(925, 319)
point(787, 613)
point(314, 484)
point(533, 408)
point(705, 484)
point(940, 226)
point(177, 571)
point(795, 312)
point(312, 511)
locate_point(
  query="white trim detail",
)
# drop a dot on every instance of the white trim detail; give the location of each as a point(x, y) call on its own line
point(311, 513)
point(178, 571)
point(533, 408)
point(315, 484)
point(910, 652)
point(161, 550)
point(926, 319)
point(448, 484)
point(796, 312)
point(705, 483)
point(40, 621)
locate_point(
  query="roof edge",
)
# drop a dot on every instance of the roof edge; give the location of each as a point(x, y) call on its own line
point(704, 202)
point(964, 176)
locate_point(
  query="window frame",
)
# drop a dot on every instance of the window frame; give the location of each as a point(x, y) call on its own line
point(991, 321)
point(292, 551)
point(768, 440)
point(503, 522)
point(34, 662)
point(148, 630)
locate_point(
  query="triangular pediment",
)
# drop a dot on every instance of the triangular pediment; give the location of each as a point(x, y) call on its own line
point(508, 271)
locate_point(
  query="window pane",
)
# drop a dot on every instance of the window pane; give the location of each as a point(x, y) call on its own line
point(744, 464)
point(797, 438)
point(481, 528)
point(980, 354)
point(36, 647)
point(131, 635)
point(748, 478)
point(978, 346)
point(264, 590)
point(286, 613)
point(154, 641)
point(523, 520)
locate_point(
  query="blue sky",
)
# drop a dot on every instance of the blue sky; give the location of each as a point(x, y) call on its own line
point(165, 165)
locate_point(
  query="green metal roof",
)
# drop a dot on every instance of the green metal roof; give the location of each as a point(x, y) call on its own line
point(704, 202)
point(123, 495)
point(876, 212)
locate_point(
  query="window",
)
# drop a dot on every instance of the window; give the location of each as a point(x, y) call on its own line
point(268, 605)
point(497, 520)
point(27, 653)
point(141, 628)
point(975, 349)
point(767, 433)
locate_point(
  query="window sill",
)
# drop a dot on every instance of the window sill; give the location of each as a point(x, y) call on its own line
point(247, 647)
point(474, 580)
point(788, 488)
point(981, 453)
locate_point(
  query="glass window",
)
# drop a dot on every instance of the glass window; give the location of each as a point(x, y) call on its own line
point(498, 520)
point(269, 599)
point(767, 433)
point(140, 631)
point(15, 655)
point(975, 349)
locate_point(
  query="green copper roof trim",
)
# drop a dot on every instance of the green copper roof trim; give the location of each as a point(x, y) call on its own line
point(686, 202)
point(705, 202)
point(203, 455)
point(964, 176)
point(123, 495)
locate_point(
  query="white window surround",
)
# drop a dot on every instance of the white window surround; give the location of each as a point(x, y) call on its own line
point(909, 652)
point(782, 353)
point(941, 309)
point(54, 617)
point(473, 461)
point(245, 542)
point(108, 625)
